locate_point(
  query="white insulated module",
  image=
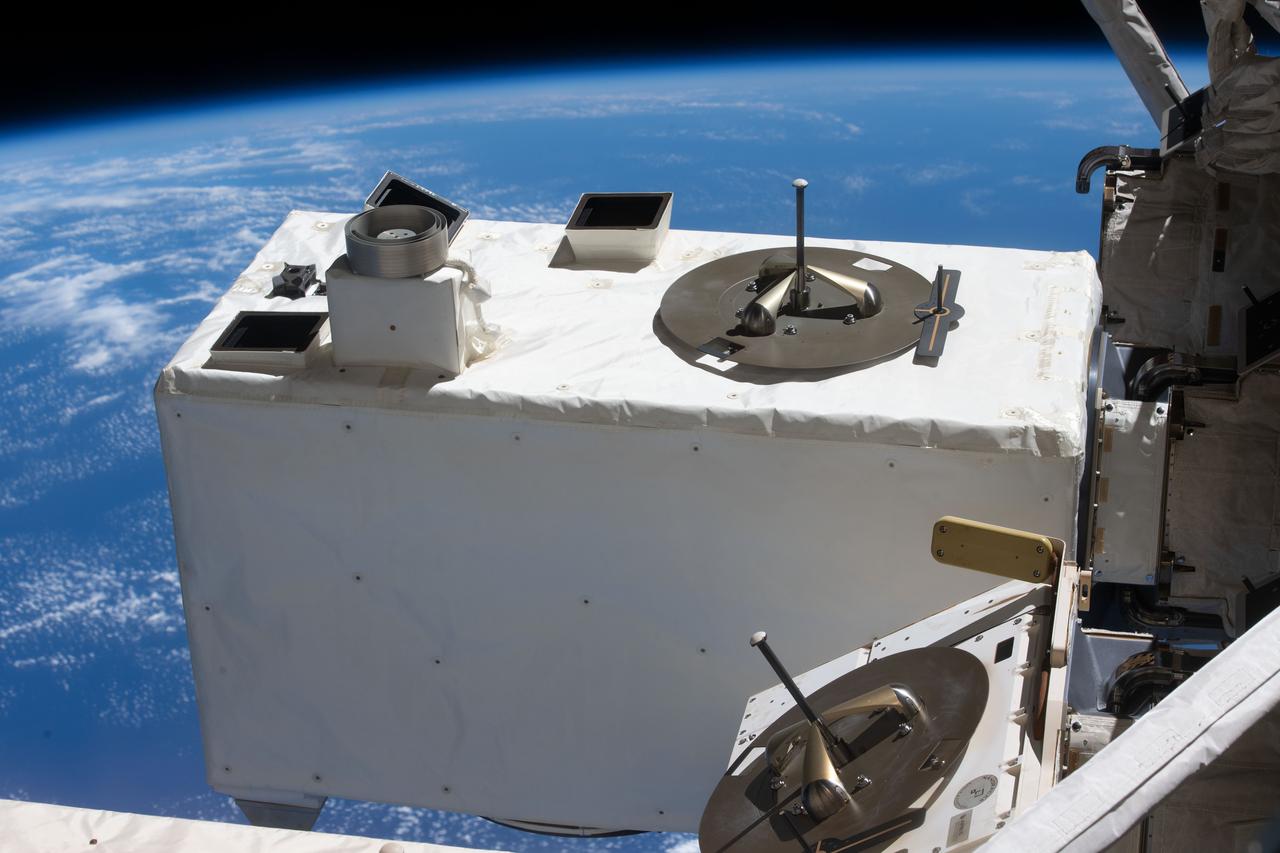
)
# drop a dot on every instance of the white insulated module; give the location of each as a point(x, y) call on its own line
point(525, 590)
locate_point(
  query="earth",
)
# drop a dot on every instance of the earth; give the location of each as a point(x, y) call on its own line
point(119, 235)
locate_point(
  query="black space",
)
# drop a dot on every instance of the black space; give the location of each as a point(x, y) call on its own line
point(59, 75)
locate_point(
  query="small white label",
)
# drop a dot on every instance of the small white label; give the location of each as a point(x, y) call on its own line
point(714, 363)
point(959, 829)
point(975, 791)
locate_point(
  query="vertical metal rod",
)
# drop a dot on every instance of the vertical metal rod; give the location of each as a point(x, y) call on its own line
point(937, 286)
point(798, 302)
point(760, 641)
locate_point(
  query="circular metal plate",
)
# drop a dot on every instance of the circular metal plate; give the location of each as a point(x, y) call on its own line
point(701, 306)
point(749, 813)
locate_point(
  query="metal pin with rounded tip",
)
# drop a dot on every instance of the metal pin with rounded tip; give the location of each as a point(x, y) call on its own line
point(798, 300)
point(760, 640)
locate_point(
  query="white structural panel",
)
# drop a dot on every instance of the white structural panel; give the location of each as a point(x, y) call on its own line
point(526, 591)
point(1097, 804)
point(44, 828)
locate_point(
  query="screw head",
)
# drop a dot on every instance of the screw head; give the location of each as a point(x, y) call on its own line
point(849, 319)
point(940, 552)
point(789, 330)
point(1039, 549)
point(861, 782)
point(904, 729)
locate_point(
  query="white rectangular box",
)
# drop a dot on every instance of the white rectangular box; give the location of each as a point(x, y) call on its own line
point(396, 322)
point(526, 591)
point(619, 226)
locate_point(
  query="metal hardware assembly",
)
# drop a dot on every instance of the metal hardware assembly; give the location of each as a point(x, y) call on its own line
point(806, 307)
point(898, 722)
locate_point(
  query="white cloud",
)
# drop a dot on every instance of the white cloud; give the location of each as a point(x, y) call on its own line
point(66, 294)
point(977, 201)
point(938, 173)
point(232, 156)
point(1056, 99)
point(71, 411)
point(856, 184)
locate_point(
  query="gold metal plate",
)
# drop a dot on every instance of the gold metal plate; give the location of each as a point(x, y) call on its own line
point(995, 550)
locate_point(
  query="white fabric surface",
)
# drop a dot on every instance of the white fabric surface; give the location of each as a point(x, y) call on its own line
point(582, 348)
point(1242, 112)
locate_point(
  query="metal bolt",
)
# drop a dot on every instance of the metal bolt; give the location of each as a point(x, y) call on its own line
point(1110, 407)
point(753, 286)
point(1035, 573)
point(904, 729)
point(860, 782)
point(1159, 410)
point(849, 319)
point(808, 276)
point(939, 552)
point(739, 312)
point(942, 528)
point(789, 330)
point(797, 808)
point(778, 782)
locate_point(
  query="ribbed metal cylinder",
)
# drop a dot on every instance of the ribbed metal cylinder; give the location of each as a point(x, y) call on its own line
point(397, 241)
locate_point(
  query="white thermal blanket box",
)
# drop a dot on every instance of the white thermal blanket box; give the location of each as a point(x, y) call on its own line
point(526, 591)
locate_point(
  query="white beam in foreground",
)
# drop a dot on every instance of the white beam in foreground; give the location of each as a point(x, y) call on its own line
point(1197, 722)
point(41, 827)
